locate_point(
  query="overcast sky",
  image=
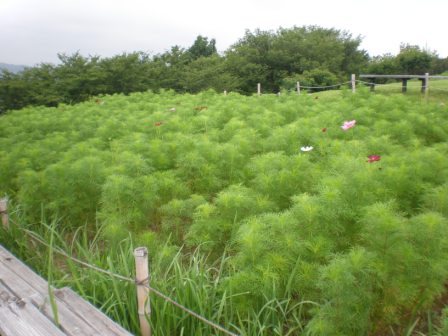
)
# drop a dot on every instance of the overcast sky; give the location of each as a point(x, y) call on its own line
point(34, 31)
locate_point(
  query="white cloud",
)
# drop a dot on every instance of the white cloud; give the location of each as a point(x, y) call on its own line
point(36, 30)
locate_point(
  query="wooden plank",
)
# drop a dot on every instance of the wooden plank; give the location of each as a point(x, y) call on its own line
point(392, 76)
point(10, 262)
point(90, 313)
point(24, 283)
point(69, 322)
point(20, 318)
point(25, 320)
point(18, 286)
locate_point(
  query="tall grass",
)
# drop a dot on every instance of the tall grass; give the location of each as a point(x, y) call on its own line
point(187, 277)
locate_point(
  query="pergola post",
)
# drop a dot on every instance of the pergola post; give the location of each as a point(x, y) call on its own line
point(404, 86)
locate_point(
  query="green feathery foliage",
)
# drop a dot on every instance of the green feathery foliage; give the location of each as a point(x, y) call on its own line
point(242, 221)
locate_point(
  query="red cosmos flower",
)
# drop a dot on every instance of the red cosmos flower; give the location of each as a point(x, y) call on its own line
point(158, 123)
point(324, 129)
point(373, 158)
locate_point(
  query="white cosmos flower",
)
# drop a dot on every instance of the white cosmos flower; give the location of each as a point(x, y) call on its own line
point(306, 148)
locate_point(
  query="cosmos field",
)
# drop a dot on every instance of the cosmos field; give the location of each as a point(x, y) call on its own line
point(327, 214)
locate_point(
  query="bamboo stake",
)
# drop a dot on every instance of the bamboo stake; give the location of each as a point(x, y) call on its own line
point(298, 88)
point(4, 212)
point(142, 281)
point(259, 89)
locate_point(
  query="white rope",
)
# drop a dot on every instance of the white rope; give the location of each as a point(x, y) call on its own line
point(376, 84)
point(324, 87)
point(397, 85)
point(437, 89)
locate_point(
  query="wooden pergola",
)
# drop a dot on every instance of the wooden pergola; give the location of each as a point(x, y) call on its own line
point(404, 80)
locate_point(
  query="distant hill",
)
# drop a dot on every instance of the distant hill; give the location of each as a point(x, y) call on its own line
point(12, 67)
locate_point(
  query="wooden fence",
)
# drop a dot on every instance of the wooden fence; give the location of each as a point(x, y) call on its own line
point(371, 78)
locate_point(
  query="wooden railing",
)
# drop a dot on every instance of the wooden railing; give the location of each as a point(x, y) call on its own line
point(404, 79)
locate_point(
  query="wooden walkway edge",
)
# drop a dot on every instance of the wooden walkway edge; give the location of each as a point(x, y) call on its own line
point(25, 306)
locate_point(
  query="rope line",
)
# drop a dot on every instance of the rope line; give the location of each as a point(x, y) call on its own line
point(324, 87)
point(409, 85)
point(397, 85)
point(431, 88)
point(378, 84)
point(34, 236)
point(437, 89)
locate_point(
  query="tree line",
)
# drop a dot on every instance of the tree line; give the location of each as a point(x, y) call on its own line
point(313, 55)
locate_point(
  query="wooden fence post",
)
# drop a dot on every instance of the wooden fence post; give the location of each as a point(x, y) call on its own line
point(259, 89)
point(426, 84)
point(4, 212)
point(142, 280)
point(353, 83)
point(225, 92)
point(298, 87)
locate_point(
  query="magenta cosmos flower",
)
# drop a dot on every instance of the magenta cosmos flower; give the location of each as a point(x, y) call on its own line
point(373, 158)
point(348, 124)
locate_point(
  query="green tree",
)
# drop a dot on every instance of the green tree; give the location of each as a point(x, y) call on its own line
point(208, 73)
point(14, 92)
point(42, 85)
point(79, 77)
point(202, 47)
point(247, 60)
point(413, 60)
point(383, 65)
point(315, 77)
point(32, 86)
point(125, 73)
point(269, 57)
point(439, 65)
point(169, 68)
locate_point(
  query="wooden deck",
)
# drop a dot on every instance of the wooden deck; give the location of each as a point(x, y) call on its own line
point(25, 307)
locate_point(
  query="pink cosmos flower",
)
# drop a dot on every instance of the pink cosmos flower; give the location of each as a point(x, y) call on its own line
point(348, 124)
point(373, 158)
